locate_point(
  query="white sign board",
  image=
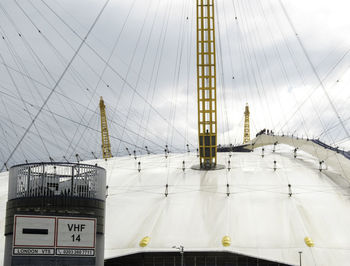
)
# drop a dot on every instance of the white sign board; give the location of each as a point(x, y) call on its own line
point(76, 232)
point(34, 231)
point(54, 236)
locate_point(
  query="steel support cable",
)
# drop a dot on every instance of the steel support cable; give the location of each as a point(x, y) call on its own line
point(223, 89)
point(9, 117)
point(77, 78)
point(74, 102)
point(222, 76)
point(114, 70)
point(68, 119)
point(257, 65)
point(332, 125)
point(176, 72)
point(30, 49)
point(72, 67)
point(92, 35)
point(57, 83)
point(59, 56)
point(18, 61)
point(302, 78)
point(246, 51)
point(177, 77)
point(165, 27)
point(244, 72)
point(189, 61)
point(229, 46)
point(60, 4)
point(342, 141)
point(70, 99)
point(48, 140)
point(139, 73)
point(68, 43)
point(331, 128)
point(316, 87)
point(33, 143)
point(12, 124)
point(127, 76)
point(78, 36)
point(57, 52)
point(243, 63)
point(40, 83)
point(141, 68)
point(150, 83)
point(314, 69)
point(102, 74)
point(248, 60)
point(4, 134)
point(342, 107)
point(284, 71)
point(77, 128)
point(25, 106)
point(281, 61)
point(265, 55)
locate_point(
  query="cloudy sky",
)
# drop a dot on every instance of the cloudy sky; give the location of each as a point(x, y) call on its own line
point(289, 60)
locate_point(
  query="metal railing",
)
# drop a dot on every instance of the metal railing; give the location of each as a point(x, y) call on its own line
point(57, 179)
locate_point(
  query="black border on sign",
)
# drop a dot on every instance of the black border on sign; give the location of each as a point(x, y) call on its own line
point(34, 246)
point(75, 218)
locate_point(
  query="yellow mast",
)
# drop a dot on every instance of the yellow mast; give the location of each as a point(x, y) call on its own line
point(206, 84)
point(246, 136)
point(106, 145)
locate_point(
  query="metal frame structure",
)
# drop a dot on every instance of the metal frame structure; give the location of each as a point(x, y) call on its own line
point(206, 84)
point(246, 135)
point(56, 179)
point(106, 145)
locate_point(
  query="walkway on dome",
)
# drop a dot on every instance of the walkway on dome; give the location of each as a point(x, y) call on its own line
point(327, 155)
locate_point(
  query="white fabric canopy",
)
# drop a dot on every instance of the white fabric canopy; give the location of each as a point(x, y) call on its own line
point(260, 217)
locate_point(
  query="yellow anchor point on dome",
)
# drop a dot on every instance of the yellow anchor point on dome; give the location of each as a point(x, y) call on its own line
point(144, 241)
point(309, 242)
point(226, 241)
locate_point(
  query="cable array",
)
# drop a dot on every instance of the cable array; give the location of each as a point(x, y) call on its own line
point(53, 74)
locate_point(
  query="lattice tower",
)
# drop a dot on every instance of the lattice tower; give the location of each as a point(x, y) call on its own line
point(206, 84)
point(246, 136)
point(106, 145)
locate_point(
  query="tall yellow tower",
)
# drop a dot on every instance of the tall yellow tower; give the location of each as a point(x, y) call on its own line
point(246, 135)
point(106, 145)
point(206, 84)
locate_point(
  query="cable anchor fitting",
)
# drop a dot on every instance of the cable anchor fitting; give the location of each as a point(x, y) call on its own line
point(166, 190)
point(290, 190)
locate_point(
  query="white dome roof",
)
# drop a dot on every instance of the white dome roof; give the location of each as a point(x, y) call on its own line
point(259, 216)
